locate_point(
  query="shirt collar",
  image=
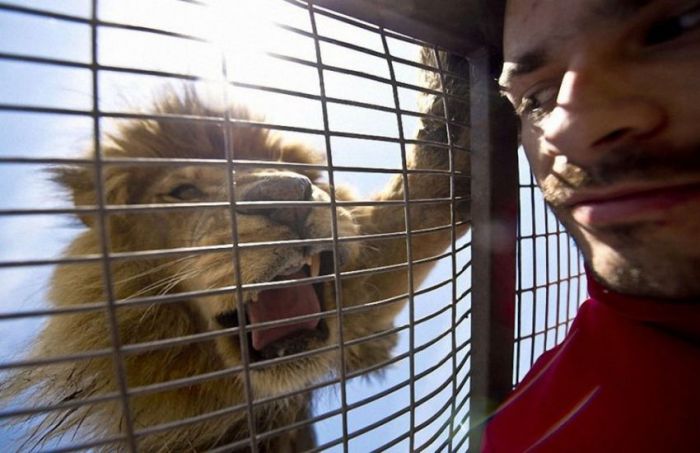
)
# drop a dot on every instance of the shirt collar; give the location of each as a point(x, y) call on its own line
point(682, 318)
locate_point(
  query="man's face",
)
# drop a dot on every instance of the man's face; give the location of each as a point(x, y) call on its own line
point(608, 94)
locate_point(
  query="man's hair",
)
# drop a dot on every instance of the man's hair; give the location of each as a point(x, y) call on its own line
point(493, 12)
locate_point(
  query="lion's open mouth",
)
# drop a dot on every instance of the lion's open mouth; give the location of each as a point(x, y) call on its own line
point(283, 303)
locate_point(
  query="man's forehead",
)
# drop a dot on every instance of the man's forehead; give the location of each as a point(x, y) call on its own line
point(534, 28)
point(528, 17)
point(526, 26)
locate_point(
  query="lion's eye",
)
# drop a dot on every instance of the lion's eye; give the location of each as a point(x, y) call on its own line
point(186, 192)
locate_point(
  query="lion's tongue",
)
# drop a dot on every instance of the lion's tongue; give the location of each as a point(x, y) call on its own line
point(283, 303)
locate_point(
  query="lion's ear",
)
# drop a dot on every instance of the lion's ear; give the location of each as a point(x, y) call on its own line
point(80, 182)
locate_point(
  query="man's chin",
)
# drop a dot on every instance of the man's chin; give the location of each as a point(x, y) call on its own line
point(659, 259)
point(650, 265)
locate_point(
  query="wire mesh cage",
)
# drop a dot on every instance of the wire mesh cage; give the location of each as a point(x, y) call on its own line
point(551, 282)
point(246, 226)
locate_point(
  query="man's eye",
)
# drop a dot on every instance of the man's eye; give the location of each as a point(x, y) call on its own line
point(186, 192)
point(673, 27)
point(537, 102)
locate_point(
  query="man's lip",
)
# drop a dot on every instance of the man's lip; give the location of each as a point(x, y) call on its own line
point(630, 204)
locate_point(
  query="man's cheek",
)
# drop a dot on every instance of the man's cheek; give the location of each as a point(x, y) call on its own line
point(540, 163)
point(680, 229)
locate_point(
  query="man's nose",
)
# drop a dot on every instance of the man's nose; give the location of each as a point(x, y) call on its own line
point(282, 186)
point(597, 113)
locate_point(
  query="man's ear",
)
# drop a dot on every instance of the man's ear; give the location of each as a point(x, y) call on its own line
point(80, 182)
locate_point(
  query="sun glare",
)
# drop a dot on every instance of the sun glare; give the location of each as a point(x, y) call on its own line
point(270, 65)
point(245, 33)
point(239, 24)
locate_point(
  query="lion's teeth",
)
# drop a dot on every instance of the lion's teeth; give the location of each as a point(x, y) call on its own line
point(315, 265)
point(254, 297)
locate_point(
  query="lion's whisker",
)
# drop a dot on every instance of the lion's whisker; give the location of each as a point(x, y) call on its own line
point(154, 269)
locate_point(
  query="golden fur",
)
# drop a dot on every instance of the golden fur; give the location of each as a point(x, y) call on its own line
point(138, 324)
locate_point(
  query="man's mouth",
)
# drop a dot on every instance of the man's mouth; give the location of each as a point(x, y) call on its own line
point(632, 204)
point(278, 304)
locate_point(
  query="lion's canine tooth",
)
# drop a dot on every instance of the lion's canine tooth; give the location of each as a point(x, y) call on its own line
point(254, 297)
point(315, 265)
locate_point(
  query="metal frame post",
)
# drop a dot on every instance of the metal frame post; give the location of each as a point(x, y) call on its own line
point(494, 189)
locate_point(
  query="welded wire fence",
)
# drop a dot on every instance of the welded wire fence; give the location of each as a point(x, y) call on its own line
point(78, 74)
point(551, 281)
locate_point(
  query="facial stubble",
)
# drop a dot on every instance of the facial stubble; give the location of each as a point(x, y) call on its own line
point(644, 258)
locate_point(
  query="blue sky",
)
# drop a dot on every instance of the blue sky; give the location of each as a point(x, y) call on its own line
point(244, 35)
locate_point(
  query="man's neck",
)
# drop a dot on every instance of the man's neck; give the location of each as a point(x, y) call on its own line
point(681, 318)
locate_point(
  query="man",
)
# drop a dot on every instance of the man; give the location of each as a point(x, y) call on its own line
point(608, 97)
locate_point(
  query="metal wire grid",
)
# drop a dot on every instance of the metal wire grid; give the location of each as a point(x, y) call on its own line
point(551, 281)
point(459, 356)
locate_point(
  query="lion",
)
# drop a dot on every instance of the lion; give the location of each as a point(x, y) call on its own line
point(288, 265)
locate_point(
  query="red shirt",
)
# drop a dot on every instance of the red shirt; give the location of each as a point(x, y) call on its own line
point(625, 379)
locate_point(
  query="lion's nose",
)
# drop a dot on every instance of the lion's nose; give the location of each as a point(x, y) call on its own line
point(279, 187)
